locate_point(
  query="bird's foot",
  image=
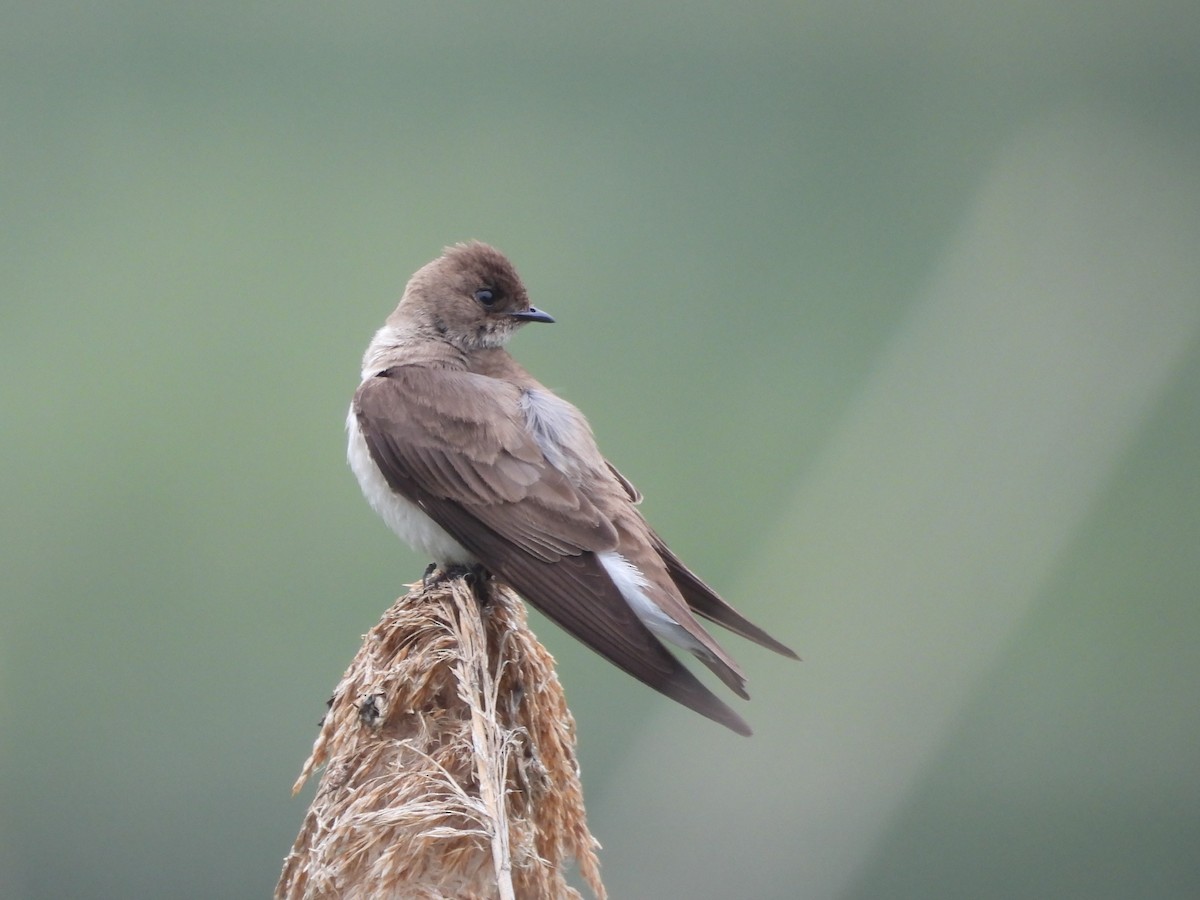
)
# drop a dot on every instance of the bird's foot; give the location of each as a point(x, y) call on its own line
point(475, 575)
point(479, 579)
point(427, 580)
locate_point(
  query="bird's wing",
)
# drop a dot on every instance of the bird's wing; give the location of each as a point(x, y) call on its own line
point(460, 437)
point(455, 444)
point(631, 491)
point(699, 597)
point(704, 601)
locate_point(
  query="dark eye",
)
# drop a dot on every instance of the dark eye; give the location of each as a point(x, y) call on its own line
point(486, 296)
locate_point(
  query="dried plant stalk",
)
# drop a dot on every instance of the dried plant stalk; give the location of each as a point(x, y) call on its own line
point(450, 768)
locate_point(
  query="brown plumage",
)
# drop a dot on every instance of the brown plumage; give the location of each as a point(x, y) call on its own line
point(481, 463)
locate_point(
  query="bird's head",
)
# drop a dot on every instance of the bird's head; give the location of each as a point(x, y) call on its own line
point(470, 296)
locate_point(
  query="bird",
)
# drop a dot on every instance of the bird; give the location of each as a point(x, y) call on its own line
point(472, 461)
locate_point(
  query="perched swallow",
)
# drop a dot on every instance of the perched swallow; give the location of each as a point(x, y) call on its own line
point(470, 460)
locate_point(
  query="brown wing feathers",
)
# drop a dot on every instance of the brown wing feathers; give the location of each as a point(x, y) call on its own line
point(704, 601)
point(525, 522)
point(605, 623)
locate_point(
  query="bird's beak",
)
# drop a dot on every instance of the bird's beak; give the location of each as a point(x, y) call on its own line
point(533, 314)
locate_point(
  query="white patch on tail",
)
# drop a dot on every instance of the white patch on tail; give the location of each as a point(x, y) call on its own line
point(634, 587)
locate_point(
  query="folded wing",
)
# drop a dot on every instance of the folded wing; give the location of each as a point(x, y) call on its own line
point(454, 443)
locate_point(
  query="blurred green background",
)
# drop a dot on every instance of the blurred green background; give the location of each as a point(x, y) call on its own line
point(891, 310)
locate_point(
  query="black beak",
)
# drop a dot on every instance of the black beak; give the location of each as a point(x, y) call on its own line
point(533, 314)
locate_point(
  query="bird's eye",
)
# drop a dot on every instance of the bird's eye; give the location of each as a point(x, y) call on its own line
point(486, 296)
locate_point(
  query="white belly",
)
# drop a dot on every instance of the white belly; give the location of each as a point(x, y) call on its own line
point(405, 518)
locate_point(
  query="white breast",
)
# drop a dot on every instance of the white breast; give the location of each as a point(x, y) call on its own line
point(405, 518)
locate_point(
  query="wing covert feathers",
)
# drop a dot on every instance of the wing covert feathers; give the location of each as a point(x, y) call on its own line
point(455, 444)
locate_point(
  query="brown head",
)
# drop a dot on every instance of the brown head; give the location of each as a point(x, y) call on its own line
point(470, 296)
